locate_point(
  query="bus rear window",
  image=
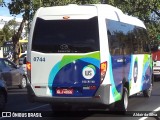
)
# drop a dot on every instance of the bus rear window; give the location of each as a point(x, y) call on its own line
point(66, 36)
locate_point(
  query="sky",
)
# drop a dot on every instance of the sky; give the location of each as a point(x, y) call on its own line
point(5, 12)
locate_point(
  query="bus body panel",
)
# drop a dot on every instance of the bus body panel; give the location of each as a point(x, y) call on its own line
point(107, 88)
point(140, 75)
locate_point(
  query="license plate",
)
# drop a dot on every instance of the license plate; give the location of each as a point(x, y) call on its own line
point(64, 91)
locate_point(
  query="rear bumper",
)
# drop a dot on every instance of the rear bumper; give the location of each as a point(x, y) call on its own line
point(156, 72)
point(102, 97)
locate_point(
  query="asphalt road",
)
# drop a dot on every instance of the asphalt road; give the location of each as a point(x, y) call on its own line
point(138, 105)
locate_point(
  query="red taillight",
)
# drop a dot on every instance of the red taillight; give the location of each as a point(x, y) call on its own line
point(29, 70)
point(28, 66)
point(103, 70)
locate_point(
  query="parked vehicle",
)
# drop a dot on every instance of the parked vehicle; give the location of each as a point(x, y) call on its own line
point(12, 73)
point(156, 63)
point(3, 93)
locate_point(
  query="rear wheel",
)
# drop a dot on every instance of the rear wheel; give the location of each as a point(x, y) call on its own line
point(122, 105)
point(23, 83)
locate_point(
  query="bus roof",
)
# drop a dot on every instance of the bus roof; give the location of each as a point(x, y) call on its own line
point(104, 10)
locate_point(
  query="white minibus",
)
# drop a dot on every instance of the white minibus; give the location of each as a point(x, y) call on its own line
point(87, 55)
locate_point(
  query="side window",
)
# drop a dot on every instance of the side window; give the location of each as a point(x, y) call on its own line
point(126, 39)
point(119, 42)
point(135, 40)
point(114, 42)
point(141, 42)
point(146, 44)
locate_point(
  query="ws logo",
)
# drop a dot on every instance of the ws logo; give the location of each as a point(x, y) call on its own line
point(88, 72)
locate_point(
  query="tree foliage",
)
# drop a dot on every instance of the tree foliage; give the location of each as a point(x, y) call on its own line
point(1, 37)
point(17, 7)
point(154, 32)
point(9, 29)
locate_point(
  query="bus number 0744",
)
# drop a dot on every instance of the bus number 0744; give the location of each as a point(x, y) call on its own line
point(39, 59)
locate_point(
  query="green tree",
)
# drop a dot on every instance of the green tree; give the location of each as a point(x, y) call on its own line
point(1, 37)
point(9, 29)
point(154, 32)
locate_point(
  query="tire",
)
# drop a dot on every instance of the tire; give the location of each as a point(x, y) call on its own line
point(23, 83)
point(148, 92)
point(2, 101)
point(122, 105)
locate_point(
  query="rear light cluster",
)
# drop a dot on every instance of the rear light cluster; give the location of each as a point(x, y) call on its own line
point(29, 70)
point(103, 69)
